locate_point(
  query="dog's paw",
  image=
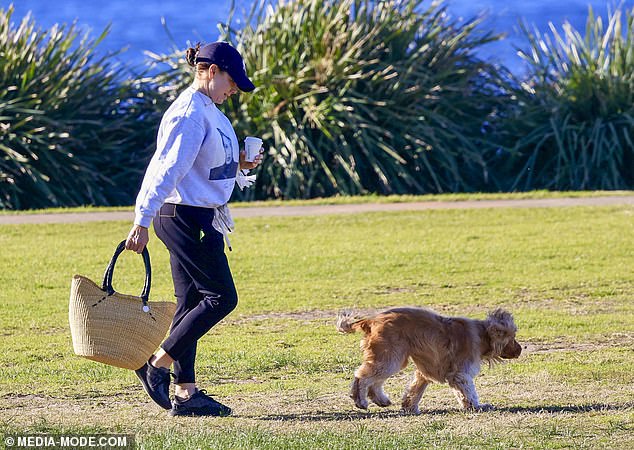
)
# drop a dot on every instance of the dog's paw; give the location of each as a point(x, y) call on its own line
point(378, 399)
point(483, 407)
point(361, 405)
point(410, 410)
point(383, 403)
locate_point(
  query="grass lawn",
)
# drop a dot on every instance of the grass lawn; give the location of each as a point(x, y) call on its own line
point(565, 273)
point(359, 199)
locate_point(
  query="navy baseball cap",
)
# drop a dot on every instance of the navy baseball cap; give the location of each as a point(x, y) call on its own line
point(228, 59)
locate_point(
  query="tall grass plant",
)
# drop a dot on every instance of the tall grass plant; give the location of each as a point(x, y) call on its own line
point(353, 97)
point(73, 129)
point(573, 121)
point(358, 96)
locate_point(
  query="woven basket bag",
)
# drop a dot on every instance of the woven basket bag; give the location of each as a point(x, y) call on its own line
point(116, 329)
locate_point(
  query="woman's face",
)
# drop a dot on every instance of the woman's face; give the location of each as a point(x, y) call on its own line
point(220, 85)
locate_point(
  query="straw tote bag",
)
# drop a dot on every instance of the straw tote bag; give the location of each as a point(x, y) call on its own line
point(117, 329)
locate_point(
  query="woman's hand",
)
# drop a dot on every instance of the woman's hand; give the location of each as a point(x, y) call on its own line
point(244, 164)
point(137, 239)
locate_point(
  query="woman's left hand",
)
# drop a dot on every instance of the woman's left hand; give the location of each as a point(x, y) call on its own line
point(244, 164)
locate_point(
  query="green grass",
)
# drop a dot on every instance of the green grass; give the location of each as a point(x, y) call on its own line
point(357, 199)
point(564, 272)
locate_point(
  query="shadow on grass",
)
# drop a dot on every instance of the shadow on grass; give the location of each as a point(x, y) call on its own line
point(318, 416)
point(593, 407)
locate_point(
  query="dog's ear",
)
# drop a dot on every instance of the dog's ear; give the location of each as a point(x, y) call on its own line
point(502, 320)
point(500, 328)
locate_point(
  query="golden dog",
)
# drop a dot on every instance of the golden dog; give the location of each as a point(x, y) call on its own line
point(444, 350)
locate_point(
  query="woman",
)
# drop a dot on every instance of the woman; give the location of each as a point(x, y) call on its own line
point(185, 191)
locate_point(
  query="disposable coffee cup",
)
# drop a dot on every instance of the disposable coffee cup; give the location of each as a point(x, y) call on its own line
point(252, 146)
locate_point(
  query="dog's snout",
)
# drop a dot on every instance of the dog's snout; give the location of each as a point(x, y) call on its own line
point(512, 350)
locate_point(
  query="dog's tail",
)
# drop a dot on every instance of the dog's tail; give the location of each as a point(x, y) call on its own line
point(348, 323)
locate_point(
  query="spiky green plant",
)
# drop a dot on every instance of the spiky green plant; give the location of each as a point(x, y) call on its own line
point(573, 126)
point(69, 121)
point(357, 96)
point(360, 96)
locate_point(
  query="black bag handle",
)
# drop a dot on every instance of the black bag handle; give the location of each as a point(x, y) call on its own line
point(107, 277)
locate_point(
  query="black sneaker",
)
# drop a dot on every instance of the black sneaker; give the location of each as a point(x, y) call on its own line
point(199, 404)
point(156, 382)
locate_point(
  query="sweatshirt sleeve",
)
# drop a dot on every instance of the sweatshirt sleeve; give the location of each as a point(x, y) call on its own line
point(178, 144)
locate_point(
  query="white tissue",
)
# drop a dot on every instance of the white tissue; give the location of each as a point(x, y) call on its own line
point(243, 180)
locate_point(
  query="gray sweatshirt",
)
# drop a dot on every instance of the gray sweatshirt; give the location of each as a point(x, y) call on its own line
point(196, 159)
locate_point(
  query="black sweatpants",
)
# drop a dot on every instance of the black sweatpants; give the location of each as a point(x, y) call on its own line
point(203, 285)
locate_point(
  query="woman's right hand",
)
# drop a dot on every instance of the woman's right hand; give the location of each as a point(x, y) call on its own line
point(137, 239)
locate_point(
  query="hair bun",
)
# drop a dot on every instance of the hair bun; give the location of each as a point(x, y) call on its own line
point(190, 54)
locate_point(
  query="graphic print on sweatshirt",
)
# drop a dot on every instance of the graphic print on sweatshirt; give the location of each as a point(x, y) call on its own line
point(230, 166)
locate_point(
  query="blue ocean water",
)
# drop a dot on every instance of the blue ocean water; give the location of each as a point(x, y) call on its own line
point(139, 26)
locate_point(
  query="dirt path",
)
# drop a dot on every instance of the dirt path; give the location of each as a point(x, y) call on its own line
point(264, 211)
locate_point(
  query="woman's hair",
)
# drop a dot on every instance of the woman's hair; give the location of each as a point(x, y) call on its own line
point(190, 56)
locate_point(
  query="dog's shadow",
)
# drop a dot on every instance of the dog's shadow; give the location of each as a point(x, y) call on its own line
point(592, 407)
point(320, 416)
